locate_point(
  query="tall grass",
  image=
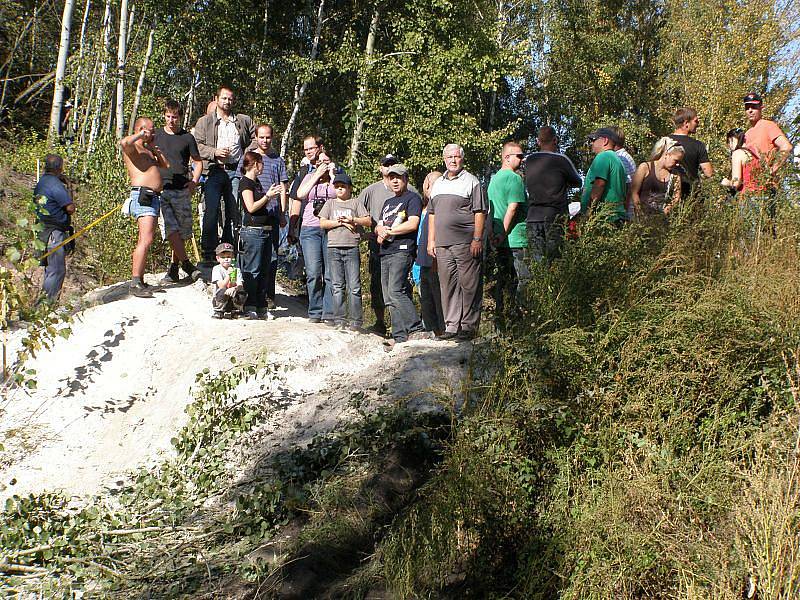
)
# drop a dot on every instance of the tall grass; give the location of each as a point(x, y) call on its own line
point(639, 436)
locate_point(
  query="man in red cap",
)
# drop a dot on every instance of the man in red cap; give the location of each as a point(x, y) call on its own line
point(764, 138)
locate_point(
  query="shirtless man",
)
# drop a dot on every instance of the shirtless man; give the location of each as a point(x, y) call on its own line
point(142, 159)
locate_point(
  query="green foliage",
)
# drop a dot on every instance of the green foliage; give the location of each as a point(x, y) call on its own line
point(641, 421)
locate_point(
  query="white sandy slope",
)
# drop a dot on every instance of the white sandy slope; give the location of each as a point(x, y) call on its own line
point(112, 395)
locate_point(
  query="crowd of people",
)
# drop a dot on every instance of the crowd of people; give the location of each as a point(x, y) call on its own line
point(439, 238)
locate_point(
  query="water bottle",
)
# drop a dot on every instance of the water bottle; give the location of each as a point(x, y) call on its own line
point(398, 220)
point(233, 273)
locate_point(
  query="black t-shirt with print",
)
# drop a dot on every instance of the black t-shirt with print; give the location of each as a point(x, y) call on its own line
point(410, 204)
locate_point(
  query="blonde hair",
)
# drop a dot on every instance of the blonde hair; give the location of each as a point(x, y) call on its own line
point(666, 145)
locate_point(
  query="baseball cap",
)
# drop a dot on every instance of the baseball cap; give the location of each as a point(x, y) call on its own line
point(343, 178)
point(397, 169)
point(389, 160)
point(606, 133)
point(224, 247)
point(753, 98)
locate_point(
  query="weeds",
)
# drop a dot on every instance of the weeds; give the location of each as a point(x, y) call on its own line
point(635, 439)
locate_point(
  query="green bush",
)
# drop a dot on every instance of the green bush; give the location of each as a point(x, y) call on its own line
point(635, 440)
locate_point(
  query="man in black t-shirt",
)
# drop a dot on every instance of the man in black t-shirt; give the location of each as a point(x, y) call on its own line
point(397, 238)
point(180, 148)
point(695, 163)
point(549, 175)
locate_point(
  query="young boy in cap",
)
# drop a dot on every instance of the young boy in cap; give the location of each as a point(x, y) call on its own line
point(229, 295)
point(343, 219)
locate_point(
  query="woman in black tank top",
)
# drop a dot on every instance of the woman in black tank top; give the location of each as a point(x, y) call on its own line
point(655, 189)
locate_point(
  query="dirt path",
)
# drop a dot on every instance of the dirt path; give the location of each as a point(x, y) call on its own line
point(111, 396)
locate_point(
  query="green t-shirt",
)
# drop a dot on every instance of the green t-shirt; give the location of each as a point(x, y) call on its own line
point(506, 187)
point(607, 166)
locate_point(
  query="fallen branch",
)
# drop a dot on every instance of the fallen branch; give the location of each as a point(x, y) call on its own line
point(15, 568)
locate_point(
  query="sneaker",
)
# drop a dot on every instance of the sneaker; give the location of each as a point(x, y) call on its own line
point(448, 335)
point(250, 312)
point(420, 335)
point(171, 276)
point(139, 290)
point(217, 314)
point(263, 313)
point(329, 322)
point(466, 336)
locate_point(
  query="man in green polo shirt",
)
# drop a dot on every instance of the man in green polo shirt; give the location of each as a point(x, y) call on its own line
point(508, 236)
point(605, 186)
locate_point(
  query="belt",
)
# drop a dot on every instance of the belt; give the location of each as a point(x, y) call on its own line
point(226, 166)
point(259, 227)
point(145, 189)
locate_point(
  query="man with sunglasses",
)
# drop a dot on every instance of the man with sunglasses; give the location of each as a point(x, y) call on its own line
point(695, 162)
point(507, 208)
point(765, 138)
point(549, 176)
point(605, 187)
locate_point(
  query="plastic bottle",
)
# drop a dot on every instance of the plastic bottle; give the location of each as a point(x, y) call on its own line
point(233, 273)
point(398, 220)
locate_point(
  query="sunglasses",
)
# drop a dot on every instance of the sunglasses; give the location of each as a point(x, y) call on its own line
point(520, 155)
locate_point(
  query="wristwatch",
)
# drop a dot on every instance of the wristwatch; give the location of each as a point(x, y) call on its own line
point(477, 239)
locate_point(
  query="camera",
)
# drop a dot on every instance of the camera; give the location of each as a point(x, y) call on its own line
point(317, 206)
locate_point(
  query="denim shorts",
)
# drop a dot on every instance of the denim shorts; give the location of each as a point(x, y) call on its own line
point(136, 210)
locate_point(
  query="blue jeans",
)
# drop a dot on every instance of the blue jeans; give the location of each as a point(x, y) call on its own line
point(314, 243)
point(254, 263)
point(221, 186)
point(56, 268)
point(273, 264)
point(395, 269)
point(345, 268)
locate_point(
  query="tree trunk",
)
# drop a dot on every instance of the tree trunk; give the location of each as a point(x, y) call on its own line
point(187, 114)
point(10, 63)
point(101, 86)
point(501, 24)
point(369, 50)
point(300, 88)
point(122, 46)
point(61, 67)
point(89, 98)
point(78, 106)
point(142, 73)
point(260, 69)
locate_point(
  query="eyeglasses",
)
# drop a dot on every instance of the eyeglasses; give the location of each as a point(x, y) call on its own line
point(310, 148)
point(520, 156)
point(591, 139)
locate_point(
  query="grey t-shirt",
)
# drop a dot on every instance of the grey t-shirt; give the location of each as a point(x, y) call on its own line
point(341, 237)
point(454, 203)
point(375, 195)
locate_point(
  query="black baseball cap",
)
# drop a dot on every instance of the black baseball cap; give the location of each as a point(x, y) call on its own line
point(389, 160)
point(753, 98)
point(606, 133)
point(343, 178)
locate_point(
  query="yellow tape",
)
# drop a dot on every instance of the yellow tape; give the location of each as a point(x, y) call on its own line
point(81, 232)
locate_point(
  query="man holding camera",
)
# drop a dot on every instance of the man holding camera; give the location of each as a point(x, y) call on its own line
point(143, 159)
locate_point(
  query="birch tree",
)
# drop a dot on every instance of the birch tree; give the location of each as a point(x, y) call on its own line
point(138, 96)
point(122, 46)
point(61, 68)
point(100, 97)
point(81, 52)
point(369, 50)
point(302, 81)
